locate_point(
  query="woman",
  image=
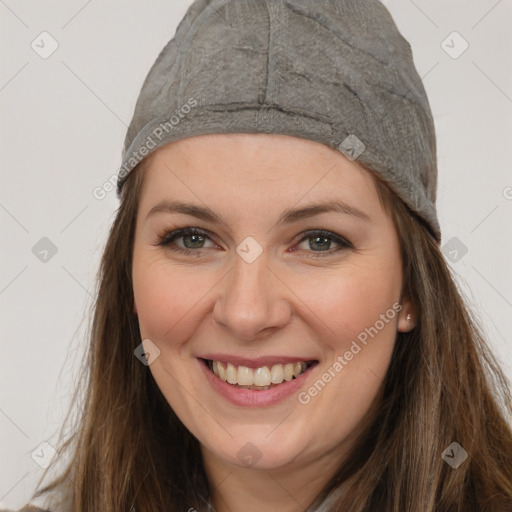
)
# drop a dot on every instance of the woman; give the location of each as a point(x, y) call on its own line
point(233, 367)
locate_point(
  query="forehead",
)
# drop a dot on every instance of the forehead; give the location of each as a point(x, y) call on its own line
point(277, 167)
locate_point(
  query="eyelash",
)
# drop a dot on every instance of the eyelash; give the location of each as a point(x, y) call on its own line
point(167, 238)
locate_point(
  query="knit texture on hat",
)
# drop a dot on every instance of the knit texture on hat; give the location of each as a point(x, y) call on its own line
point(337, 72)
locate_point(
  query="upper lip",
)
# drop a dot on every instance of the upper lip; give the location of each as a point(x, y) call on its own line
point(255, 362)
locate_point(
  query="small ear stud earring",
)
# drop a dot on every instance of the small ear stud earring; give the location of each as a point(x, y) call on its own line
point(408, 318)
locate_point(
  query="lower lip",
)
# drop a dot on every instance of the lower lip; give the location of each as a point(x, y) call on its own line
point(255, 398)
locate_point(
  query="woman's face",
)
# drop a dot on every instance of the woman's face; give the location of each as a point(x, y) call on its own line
point(305, 320)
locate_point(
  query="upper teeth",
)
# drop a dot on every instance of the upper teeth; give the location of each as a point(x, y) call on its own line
point(263, 376)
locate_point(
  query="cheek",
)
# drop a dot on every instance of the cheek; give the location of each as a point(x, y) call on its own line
point(355, 314)
point(356, 326)
point(152, 296)
point(348, 301)
point(340, 303)
point(166, 297)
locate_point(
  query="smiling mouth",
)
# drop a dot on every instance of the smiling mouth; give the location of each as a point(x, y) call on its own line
point(260, 379)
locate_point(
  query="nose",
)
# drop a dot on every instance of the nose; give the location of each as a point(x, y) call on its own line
point(254, 302)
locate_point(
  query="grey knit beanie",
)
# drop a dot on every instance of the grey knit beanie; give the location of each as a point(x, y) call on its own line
point(336, 72)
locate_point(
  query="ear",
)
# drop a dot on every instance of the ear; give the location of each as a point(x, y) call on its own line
point(407, 316)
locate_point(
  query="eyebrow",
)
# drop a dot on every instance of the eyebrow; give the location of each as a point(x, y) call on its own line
point(287, 217)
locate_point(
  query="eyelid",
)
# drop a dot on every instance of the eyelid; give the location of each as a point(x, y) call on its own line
point(340, 240)
point(168, 237)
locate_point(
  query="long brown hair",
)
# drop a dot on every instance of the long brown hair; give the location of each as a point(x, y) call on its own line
point(129, 451)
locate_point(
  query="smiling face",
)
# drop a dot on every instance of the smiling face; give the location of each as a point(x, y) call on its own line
point(305, 320)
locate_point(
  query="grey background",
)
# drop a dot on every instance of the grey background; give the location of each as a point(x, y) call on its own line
point(62, 128)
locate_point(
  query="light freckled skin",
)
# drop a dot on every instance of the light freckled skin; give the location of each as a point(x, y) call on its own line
point(285, 302)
